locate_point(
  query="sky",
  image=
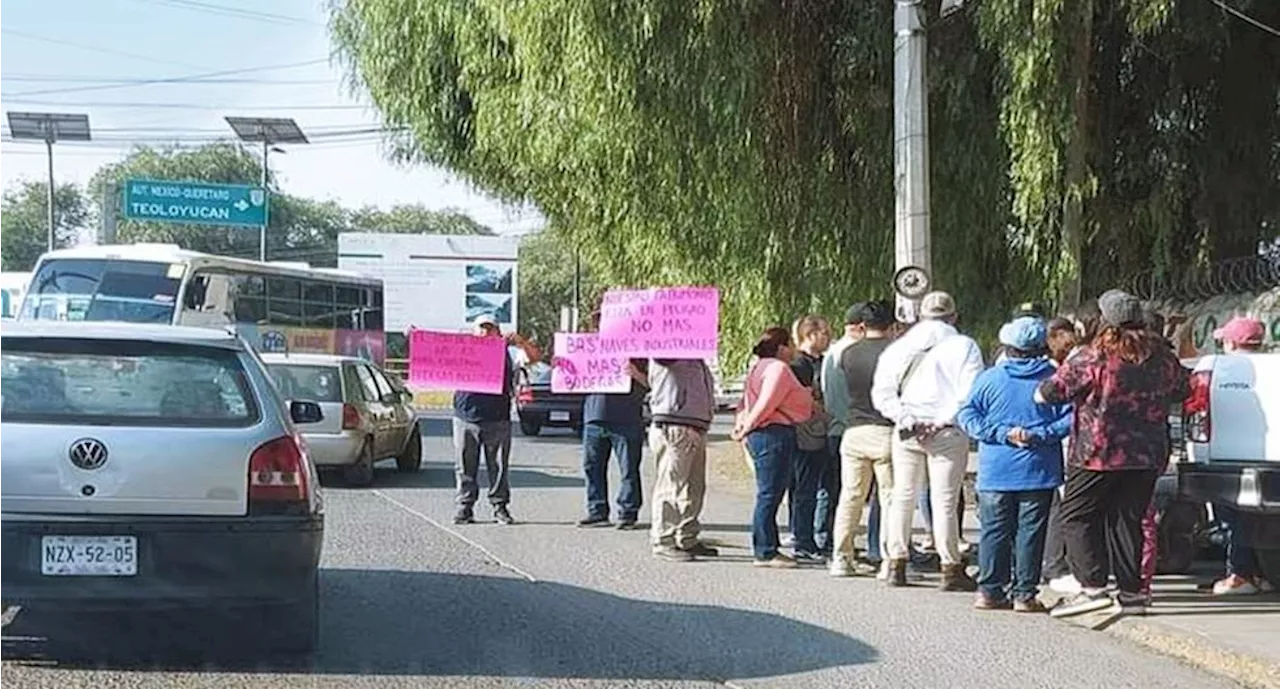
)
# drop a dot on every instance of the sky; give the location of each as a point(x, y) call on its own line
point(92, 45)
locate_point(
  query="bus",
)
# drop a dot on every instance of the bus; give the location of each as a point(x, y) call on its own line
point(276, 306)
point(12, 285)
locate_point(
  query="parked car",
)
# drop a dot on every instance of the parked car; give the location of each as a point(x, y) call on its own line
point(538, 407)
point(368, 413)
point(152, 469)
point(1232, 432)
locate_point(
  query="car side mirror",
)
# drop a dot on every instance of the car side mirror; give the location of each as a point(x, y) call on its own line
point(406, 397)
point(305, 412)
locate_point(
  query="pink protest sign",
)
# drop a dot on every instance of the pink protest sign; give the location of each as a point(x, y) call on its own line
point(452, 361)
point(663, 322)
point(585, 363)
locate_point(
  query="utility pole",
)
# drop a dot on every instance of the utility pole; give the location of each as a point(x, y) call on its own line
point(52, 193)
point(910, 145)
point(577, 290)
point(262, 233)
point(110, 212)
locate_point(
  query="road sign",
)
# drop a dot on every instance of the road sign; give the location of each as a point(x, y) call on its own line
point(195, 203)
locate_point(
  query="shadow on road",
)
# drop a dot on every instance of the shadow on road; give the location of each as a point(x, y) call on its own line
point(441, 475)
point(439, 624)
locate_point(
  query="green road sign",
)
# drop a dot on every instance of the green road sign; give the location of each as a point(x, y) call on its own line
point(195, 202)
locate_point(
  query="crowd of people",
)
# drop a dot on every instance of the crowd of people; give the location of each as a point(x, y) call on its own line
point(1071, 422)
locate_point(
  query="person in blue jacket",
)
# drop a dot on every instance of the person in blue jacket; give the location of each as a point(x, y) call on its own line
point(1019, 466)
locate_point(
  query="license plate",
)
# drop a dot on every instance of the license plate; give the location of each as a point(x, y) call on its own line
point(89, 556)
point(559, 416)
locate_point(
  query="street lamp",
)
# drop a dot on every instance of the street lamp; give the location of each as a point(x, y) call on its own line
point(48, 127)
point(268, 131)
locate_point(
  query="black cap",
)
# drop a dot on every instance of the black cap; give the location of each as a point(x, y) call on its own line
point(1029, 308)
point(877, 314)
point(854, 315)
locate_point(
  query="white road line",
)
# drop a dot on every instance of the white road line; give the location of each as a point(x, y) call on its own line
point(452, 532)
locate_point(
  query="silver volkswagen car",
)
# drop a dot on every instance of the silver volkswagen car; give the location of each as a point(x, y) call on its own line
point(153, 469)
point(368, 414)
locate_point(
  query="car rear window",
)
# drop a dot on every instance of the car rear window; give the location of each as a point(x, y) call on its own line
point(310, 383)
point(123, 382)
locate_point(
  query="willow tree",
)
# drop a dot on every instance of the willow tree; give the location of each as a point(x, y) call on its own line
point(749, 144)
point(743, 144)
point(1143, 134)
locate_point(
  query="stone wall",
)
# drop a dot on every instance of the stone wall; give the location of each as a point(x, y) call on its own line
point(1195, 335)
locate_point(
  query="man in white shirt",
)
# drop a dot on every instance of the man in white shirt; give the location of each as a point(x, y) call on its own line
point(920, 383)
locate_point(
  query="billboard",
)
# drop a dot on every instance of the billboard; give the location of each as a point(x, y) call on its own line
point(437, 282)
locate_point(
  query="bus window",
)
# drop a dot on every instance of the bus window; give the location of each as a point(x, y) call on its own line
point(317, 305)
point(103, 290)
point(373, 309)
point(284, 301)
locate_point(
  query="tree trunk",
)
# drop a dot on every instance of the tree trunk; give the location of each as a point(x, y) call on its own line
point(1077, 173)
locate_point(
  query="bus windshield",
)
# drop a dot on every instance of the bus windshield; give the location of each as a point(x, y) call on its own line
point(77, 289)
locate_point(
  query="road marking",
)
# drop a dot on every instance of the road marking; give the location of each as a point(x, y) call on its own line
point(452, 532)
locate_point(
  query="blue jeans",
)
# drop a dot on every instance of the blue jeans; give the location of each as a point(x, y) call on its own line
point(772, 449)
point(824, 515)
point(1014, 525)
point(1241, 560)
point(807, 470)
point(599, 441)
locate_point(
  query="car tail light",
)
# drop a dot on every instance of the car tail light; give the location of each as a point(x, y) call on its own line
point(350, 417)
point(1197, 422)
point(279, 472)
point(524, 395)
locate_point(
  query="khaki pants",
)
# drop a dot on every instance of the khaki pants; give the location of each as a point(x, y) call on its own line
point(943, 459)
point(681, 454)
point(865, 451)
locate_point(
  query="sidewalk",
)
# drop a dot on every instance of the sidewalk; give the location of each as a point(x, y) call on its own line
point(1238, 638)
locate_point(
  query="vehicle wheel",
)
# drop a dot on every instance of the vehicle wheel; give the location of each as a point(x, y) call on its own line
point(530, 427)
point(1269, 562)
point(1178, 525)
point(361, 473)
point(410, 459)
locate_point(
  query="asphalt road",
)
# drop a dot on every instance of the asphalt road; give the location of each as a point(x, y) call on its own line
point(411, 601)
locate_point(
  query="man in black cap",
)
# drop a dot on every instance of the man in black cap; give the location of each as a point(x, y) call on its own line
point(835, 396)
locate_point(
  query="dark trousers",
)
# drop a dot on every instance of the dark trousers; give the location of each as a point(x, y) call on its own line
point(1102, 525)
point(1012, 543)
point(493, 440)
point(772, 449)
point(824, 516)
point(599, 442)
point(1241, 560)
point(806, 475)
point(1055, 549)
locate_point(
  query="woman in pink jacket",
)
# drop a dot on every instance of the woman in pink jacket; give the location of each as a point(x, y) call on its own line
point(773, 403)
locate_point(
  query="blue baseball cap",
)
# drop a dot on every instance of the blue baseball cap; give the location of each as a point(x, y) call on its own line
point(1027, 334)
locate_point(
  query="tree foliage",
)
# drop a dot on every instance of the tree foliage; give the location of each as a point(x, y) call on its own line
point(24, 221)
point(749, 144)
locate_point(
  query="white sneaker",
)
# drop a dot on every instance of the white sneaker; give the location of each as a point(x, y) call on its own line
point(1235, 585)
point(840, 566)
point(787, 541)
point(883, 574)
point(1067, 585)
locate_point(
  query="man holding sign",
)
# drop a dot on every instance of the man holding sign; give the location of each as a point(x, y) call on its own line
point(482, 423)
point(613, 420)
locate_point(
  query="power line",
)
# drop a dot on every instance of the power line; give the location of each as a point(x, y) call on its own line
point(96, 49)
point(1241, 15)
point(179, 106)
point(224, 10)
point(47, 78)
point(168, 80)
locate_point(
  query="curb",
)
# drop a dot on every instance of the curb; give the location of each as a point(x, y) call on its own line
point(1247, 670)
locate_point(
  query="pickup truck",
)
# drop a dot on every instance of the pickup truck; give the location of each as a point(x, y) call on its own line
point(1231, 427)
